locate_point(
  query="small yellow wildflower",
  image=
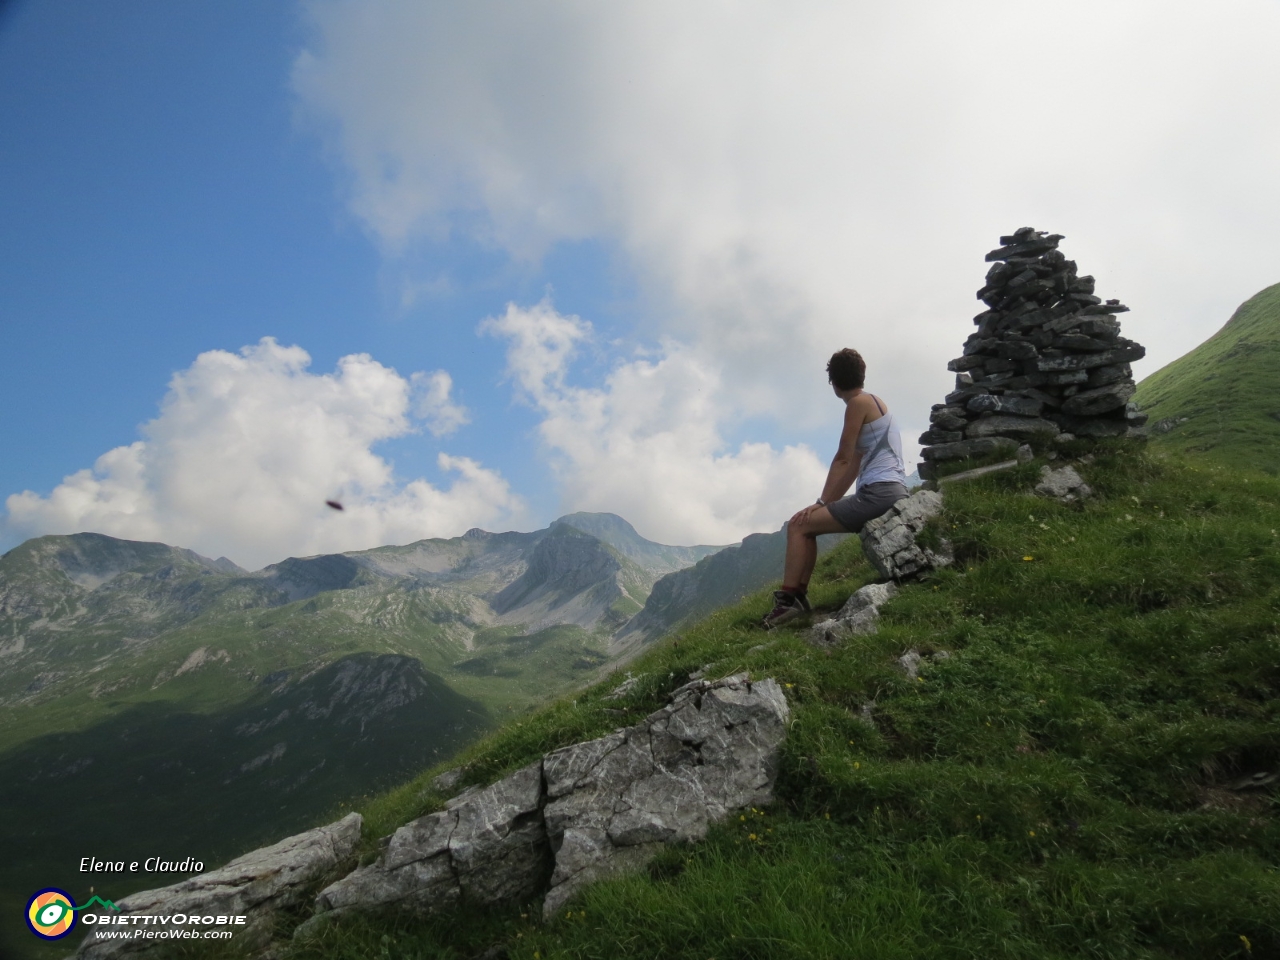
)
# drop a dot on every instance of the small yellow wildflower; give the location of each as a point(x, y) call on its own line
point(1028, 558)
point(979, 817)
point(1031, 833)
point(742, 817)
point(857, 765)
point(751, 836)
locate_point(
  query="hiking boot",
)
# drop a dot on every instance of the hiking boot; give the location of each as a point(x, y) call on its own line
point(786, 606)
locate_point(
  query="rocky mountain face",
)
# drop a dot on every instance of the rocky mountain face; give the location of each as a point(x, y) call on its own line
point(89, 623)
point(717, 580)
point(656, 558)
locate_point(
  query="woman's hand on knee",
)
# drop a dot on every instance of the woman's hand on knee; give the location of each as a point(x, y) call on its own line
point(802, 516)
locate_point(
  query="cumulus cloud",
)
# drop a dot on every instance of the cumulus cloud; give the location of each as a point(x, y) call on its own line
point(787, 179)
point(433, 404)
point(648, 443)
point(248, 447)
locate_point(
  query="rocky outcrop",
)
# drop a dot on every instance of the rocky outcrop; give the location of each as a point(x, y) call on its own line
point(1063, 485)
point(860, 615)
point(1047, 357)
point(255, 886)
point(911, 661)
point(585, 811)
point(889, 541)
point(566, 561)
point(487, 845)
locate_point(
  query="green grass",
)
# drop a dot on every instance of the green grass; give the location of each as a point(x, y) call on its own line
point(1058, 787)
point(1227, 388)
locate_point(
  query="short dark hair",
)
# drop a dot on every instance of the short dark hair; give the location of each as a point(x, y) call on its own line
point(846, 370)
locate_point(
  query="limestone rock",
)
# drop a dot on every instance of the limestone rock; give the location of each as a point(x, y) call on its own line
point(1062, 484)
point(446, 781)
point(1017, 428)
point(859, 615)
point(585, 811)
point(910, 663)
point(612, 801)
point(256, 885)
point(1019, 406)
point(889, 541)
point(964, 449)
point(488, 847)
point(872, 595)
point(1100, 399)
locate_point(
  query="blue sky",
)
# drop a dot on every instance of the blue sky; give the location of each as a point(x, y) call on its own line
point(687, 208)
point(158, 200)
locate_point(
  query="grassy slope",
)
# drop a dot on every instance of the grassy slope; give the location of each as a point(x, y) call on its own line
point(1057, 788)
point(1229, 387)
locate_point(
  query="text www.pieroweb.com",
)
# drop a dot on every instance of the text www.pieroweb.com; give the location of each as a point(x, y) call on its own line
point(174, 927)
point(145, 934)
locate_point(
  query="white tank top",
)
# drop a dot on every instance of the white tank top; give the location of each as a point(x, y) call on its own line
point(880, 444)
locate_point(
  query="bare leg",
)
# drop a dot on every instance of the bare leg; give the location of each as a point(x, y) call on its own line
point(802, 546)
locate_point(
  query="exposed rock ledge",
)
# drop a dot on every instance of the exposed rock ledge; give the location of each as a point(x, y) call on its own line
point(578, 814)
point(889, 541)
point(255, 885)
point(585, 811)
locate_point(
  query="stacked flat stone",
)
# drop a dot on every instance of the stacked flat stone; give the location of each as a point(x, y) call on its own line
point(1047, 359)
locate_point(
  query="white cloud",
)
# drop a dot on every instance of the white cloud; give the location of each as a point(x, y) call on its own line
point(792, 178)
point(648, 444)
point(433, 405)
point(249, 446)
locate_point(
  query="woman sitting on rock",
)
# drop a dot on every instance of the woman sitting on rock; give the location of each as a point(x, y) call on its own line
point(871, 452)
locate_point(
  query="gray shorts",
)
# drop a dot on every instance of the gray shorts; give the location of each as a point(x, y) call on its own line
point(871, 501)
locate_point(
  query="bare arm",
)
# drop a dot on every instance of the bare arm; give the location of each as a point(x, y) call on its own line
point(847, 461)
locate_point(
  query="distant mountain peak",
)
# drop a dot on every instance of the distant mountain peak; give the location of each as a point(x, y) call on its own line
point(656, 558)
point(591, 522)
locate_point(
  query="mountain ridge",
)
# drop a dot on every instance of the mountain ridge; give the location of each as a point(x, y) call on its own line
point(81, 607)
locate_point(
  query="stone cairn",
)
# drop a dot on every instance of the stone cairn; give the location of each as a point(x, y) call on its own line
point(1046, 361)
